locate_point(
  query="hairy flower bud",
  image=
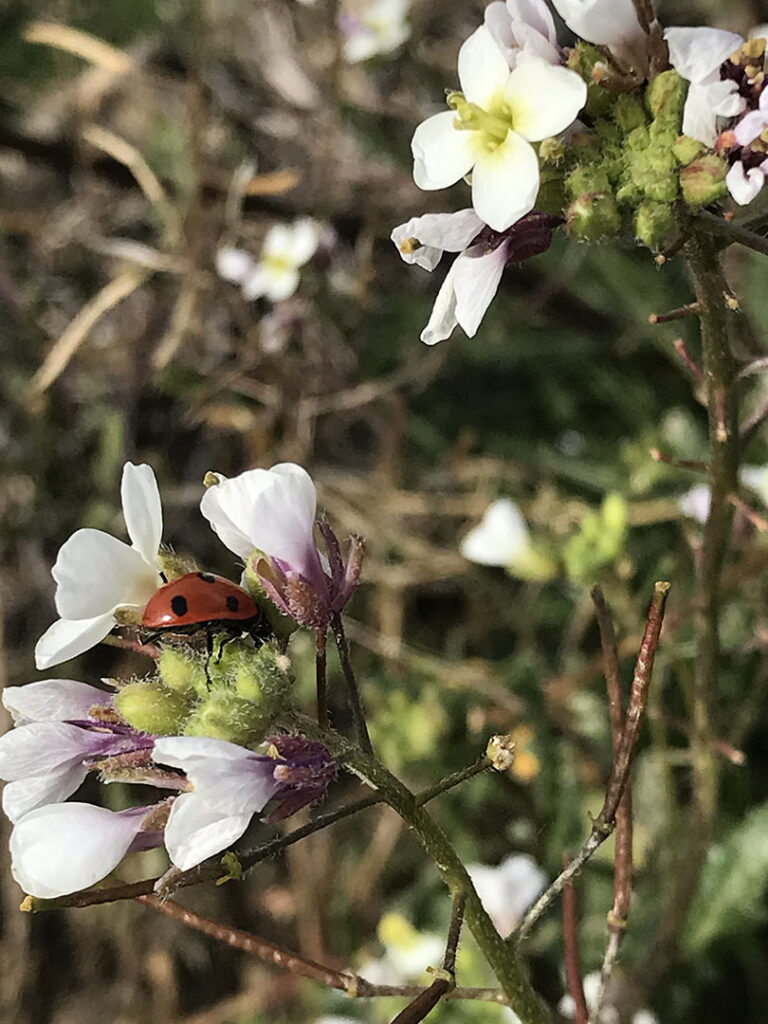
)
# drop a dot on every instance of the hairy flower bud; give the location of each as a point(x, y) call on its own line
point(666, 98)
point(654, 223)
point(703, 181)
point(150, 707)
point(225, 716)
point(686, 150)
point(182, 670)
point(593, 216)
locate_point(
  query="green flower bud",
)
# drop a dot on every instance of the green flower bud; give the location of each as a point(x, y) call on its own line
point(593, 216)
point(703, 181)
point(587, 179)
point(183, 670)
point(654, 170)
point(224, 716)
point(551, 151)
point(149, 707)
point(628, 112)
point(665, 97)
point(686, 149)
point(638, 139)
point(653, 224)
point(174, 565)
point(262, 678)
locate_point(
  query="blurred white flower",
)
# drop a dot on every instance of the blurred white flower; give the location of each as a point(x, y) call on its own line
point(63, 848)
point(609, 1014)
point(756, 478)
point(508, 890)
point(407, 952)
point(96, 574)
point(611, 23)
point(697, 54)
point(491, 126)
point(523, 29)
point(275, 275)
point(371, 27)
point(695, 503)
point(500, 537)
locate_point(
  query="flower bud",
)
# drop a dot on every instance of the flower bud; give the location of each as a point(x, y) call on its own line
point(593, 216)
point(653, 224)
point(262, 678)
point(183, 671)
point(686, 149)
point(551, 151)
point(590, 178)
point(149, 707)
point(224, 716)
point(174, 565)
point(703, 181)
point(666, 98)
point(628, 113)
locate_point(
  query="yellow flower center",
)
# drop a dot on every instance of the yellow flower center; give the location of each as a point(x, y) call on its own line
point(493, 124)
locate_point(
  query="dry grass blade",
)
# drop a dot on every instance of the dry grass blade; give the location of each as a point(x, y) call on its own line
point(119, 288)
point(81, 44)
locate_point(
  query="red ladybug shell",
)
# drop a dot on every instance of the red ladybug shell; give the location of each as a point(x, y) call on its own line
point(198, 597)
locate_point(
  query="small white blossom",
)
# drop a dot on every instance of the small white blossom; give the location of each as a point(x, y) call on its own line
point(508, 890)
point(371, 27)
point(695, 502)
point(407, 952)
point(611, 23)
point(500, 538)
point(523, 29)
point(275, 275)
point(63, 848)
point(697, 54)
point(609, 1014)
point(96, 574)
point(494, 120)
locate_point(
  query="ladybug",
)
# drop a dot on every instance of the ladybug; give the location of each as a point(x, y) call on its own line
point(202, 600)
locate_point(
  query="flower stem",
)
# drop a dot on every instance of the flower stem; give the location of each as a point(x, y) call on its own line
point(358, 714)
point(321, 678)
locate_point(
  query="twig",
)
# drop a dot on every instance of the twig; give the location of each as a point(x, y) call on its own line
point(427, 1000)
point(249, 858)
point(674, 314)
point(321, 639)
point(669, 460)
point(758, 521)
point(682, 350)
point(358, 714)
point(622, 863)
point(622, 763)
point(571, 952)
point(753, 424)
point(732, 232)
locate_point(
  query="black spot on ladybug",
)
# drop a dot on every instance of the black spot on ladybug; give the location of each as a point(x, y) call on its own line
point(206, 577)
point(179, 605)
point(233, 603)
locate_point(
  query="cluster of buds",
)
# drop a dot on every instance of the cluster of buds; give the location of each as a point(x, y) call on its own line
point(205, 724)
point(605, 138)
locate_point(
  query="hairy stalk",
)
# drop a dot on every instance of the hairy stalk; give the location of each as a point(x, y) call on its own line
point(501, 956)
point(719, 375)
point(355, 700)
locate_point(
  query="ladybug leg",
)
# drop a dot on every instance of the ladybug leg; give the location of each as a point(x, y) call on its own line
point(208, 653)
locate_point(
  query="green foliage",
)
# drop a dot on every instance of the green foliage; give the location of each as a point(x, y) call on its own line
point(600, 540)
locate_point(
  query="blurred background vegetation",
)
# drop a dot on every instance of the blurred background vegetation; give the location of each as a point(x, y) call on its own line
point(119, 341)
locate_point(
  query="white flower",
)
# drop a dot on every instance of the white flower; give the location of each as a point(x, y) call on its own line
point(373, 26)
point(230, 784)
point(407, 952)
point(96, 574)
point(696, 54)
point(47, 756)
point(498, 114)
point(756, 478)
point(465, 294)
point(508, 890)
point(63, 848)
point(500, 538)
point(611, 23)
point(744, 185)
point(423, 240)
point(523, 29)
point(287, 247)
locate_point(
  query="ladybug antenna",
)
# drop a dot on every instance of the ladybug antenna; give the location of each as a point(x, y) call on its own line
point(163, 577)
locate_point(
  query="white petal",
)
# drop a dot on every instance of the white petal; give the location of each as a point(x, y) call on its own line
point(505, 182)
point(95, 573)
point(142, 510)
point(62, 848)
point(234, 265)
point(499, 538)
point(442, 319)
point(272, 510)
point(52, 700)
point(280, 285)
point(743, 185)
point(605, 22)
point(306, 235)
point(483, 69)
point(256, 283)
point(756, 478)
point(508, 890)
point(536, 15)
point(695, 503)
point(703, 104)
point(475, 282)
point(751, 125)
point(442, 154)
point(696, 53)
point(67, 638)
point(40, 748)
point(195, 830)
point(24, 795)
point(437, 233)
point(544, 100)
